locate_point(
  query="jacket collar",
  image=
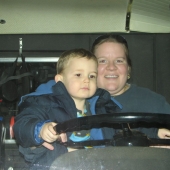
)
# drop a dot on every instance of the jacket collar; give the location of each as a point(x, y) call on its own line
point(60, 89)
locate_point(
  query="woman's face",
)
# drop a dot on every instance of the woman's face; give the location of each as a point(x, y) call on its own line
point(113, 67)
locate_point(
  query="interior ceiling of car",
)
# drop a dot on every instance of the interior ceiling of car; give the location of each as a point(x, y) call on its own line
point(89, 16)
point(50, 27)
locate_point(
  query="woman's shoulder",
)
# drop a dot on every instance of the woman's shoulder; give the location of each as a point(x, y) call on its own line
point(144, 92)
point(142, 99)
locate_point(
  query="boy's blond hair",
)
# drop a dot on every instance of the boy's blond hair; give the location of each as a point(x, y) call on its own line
point(67, 55)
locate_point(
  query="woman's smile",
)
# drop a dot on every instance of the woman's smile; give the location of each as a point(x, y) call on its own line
point(111, 76)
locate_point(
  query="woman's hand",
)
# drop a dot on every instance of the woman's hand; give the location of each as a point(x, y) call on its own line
point(164, 133)
point(48, 134)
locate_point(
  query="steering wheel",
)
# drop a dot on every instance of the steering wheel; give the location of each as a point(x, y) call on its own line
point(127, 136)
point(117, 158)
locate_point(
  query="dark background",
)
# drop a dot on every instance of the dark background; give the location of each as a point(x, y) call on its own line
point(150, 54)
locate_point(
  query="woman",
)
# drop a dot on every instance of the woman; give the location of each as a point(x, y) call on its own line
point(113, 72)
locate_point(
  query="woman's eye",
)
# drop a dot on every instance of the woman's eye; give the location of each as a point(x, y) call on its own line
point(102, 61)
point(120, 61)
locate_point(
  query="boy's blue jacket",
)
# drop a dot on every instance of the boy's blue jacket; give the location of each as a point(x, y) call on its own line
point(51, 101)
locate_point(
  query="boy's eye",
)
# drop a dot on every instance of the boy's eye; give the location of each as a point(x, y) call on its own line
point(78, 75)
point(92, 76)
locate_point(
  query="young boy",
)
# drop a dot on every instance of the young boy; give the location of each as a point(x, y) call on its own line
point(33, 128)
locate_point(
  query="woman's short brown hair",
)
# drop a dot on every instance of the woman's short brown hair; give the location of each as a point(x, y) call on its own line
point(112, 38)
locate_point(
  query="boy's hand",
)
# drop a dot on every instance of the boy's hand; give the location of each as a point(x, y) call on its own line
point(164, 133)
point(48, 134)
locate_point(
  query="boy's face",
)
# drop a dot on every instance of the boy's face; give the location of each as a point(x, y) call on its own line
point(79, 78)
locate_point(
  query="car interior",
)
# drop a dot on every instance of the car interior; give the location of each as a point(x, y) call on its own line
point(33, 34)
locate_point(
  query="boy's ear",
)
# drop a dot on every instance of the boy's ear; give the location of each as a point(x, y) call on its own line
point(58, 77)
